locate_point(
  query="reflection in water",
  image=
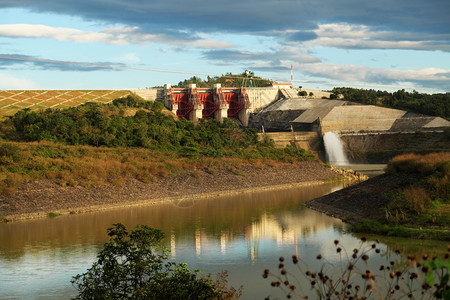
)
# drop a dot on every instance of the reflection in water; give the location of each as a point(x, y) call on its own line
point(244, 234)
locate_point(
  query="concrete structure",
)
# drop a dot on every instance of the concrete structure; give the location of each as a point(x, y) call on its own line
point(322, 115)
point(302, 121)
point(150, 94)
point(194, 103)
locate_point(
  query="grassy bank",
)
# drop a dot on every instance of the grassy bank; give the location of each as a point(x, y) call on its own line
point(420, 207)
point(89, 166)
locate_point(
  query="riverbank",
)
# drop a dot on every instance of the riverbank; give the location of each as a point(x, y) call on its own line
point(40, 199)
point(409, 200)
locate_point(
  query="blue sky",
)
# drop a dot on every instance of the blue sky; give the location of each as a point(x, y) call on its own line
point(125, 44)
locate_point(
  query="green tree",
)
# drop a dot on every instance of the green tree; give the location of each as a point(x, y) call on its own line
point(134, 266)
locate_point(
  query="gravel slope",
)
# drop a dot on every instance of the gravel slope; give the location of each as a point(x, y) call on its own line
point(37, 199)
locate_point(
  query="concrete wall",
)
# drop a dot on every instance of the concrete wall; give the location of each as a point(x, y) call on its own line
point(150, 94)
point(357, 118)
point(380, 147)
point(261, 97)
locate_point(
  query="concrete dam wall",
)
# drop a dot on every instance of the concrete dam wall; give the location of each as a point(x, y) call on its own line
point(380, 147)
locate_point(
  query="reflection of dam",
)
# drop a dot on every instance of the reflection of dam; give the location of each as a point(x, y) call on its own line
point(286, 228)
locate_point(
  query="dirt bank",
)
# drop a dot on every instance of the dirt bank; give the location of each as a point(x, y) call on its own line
point(38, 199)
point(361, 201)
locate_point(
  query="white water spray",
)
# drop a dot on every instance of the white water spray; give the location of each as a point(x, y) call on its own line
point(334, 149)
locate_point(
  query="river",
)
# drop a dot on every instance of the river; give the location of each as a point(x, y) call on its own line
point(243, 234)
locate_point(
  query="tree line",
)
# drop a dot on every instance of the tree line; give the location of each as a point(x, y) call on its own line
point(428, 104)
point(227, 80)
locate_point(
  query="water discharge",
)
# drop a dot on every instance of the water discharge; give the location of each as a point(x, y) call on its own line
point(334, 149)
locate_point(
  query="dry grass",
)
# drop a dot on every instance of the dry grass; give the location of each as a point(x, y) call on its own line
point(418, 198)
point(424, 164)
point(93, 166)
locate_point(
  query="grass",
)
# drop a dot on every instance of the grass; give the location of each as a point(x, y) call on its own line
point(376, 227)
point(92, 167)
point(53, 215)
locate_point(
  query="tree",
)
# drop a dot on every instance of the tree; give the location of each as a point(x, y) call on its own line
point(134, 266)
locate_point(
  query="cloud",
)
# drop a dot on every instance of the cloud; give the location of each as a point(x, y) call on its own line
point(112, 35)
point(276, 55)
point(252, 15)
point(364, 37)
point(50, 64)
point(426, 77)
point(60, 34)
point(8, 82)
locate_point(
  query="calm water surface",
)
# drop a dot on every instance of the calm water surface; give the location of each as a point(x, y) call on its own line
point(243, 234)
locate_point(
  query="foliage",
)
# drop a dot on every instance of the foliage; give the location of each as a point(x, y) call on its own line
point(302, 93)
point(353, 277)
point(134, 266)
point(433, 105)
point(227, 80)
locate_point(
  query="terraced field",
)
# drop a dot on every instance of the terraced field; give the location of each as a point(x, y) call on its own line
point(13, 101)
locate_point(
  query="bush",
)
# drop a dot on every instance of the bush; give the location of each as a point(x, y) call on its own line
point(133, 266)
point(423, 164)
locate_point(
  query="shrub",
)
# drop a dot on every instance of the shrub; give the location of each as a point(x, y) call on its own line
point(134, 266)
point(423, 164)
point(418, 198)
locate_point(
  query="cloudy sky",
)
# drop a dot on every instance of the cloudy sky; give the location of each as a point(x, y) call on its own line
point(121, 44)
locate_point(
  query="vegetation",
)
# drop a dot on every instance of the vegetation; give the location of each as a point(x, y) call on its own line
point(134, 266)
point(227, 80)
point(433, 105)
point(422, 202)
point(92, 144)
point(353, 277)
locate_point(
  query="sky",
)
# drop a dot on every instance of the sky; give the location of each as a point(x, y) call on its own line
point(130, 44)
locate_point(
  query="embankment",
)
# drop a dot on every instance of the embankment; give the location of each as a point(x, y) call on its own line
point(38, 199)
